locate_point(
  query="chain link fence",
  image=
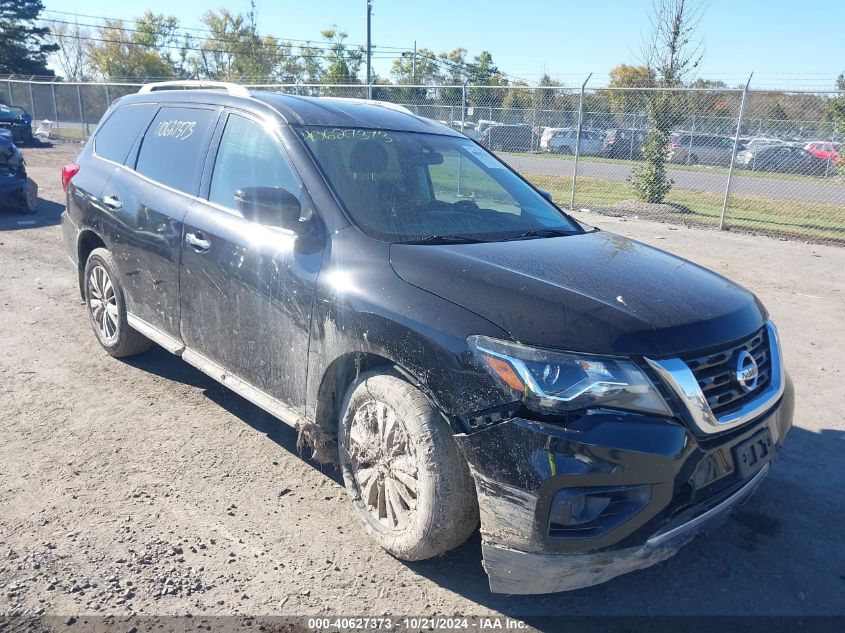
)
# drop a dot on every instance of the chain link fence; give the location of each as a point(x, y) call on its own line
point(761, 161)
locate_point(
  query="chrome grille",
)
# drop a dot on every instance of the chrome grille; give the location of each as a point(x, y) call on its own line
point(715, 373)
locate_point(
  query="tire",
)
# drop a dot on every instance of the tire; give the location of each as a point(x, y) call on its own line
point(414, 475)
point(29, 198)
point(110, 325)
point(693, 160)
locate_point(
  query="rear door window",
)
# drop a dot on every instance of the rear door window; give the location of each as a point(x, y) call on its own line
point(173, 149)
point(116, 136)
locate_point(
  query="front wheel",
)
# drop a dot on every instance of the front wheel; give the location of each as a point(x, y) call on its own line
point(107, 309)
point(409, 483)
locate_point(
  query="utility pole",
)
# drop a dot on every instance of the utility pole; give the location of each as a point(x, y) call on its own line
point(369, 52)
point(414, 65)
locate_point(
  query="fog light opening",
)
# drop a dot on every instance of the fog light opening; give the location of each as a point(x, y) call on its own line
point(585, 512)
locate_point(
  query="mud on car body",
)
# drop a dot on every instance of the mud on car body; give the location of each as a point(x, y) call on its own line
point(431, 322)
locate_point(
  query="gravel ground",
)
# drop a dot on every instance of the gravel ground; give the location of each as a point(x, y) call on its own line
point(143, 487)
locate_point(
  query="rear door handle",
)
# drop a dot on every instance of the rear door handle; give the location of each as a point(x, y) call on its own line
point(112, 202)
point(198, 242)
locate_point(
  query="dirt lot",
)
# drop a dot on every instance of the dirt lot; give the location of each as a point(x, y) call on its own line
point(144, 487)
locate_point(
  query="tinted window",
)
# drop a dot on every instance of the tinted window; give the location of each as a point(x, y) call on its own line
point(172, 150)
point(117, 134)
point(249, 157)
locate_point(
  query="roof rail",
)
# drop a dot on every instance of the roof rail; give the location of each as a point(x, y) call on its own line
point(191, 84)
point(384, 104)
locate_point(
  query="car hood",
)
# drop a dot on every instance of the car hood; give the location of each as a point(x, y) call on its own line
point(594, 292)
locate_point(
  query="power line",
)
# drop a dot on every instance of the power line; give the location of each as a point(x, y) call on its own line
point(235, 39)
point(184, 28)
point(325, 47)
point(177, 47)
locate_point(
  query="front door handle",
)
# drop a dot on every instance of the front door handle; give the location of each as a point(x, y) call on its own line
point(112, 203)
point(197, 242)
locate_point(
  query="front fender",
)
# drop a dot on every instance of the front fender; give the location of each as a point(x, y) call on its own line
point(363, 307)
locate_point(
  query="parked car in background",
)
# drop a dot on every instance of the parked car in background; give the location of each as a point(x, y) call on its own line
point(700, 149)
point(508, 138)
point(757, 142)
point(461, 126)
point(546, 135)
point(18, 121)
point(783, 158)
point(826, 150)
point(16, 190)
point(477, 129)
point(619, 143)
point(564, 142)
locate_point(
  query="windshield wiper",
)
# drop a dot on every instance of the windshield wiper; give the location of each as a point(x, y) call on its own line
point(540, 233)
point(444, 239)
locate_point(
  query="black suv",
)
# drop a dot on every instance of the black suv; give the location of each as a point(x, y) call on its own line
point(433, 323)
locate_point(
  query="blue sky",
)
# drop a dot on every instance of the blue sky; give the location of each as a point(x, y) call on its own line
point(786, 43)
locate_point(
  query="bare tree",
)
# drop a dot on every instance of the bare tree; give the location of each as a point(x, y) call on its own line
point(72, 54)
point(671, 55)
point(670, 50)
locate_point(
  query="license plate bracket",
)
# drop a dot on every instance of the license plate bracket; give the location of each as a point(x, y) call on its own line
point(752, 454)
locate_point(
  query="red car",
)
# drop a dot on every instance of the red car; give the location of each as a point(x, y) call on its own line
point(826, 150)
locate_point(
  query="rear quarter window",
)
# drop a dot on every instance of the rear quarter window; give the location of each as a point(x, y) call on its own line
point(173, 149)
point(117, 134)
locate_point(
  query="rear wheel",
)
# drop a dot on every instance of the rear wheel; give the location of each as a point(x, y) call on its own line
point(107, 309)
point(409, 483)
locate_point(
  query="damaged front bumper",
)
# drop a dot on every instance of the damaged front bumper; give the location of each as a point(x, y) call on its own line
point(516, 572)
point(657, 485)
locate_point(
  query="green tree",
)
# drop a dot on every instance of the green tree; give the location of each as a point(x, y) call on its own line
point(624, 77)
point(290, 68)
point(119, 53)
point(482, 72)
point(311, 63)
point(545, 96)
point(426, 71)
point(235, 51)
point(836, 105)
point(23, 45)
point(453, 64)
point(342, 62)
point(518, 99)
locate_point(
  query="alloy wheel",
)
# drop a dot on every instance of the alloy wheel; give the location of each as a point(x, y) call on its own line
point(383, 464)
point(103, 304)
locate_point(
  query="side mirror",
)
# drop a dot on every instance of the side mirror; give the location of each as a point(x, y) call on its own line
point(546, 194)
point(270, 206)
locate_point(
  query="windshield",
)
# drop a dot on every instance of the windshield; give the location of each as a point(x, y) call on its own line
point(408, 186)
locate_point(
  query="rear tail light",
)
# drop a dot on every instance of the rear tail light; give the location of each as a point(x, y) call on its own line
point(672, 147)
point(68, 172)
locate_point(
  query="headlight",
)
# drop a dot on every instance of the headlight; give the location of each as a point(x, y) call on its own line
point(556, 382)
